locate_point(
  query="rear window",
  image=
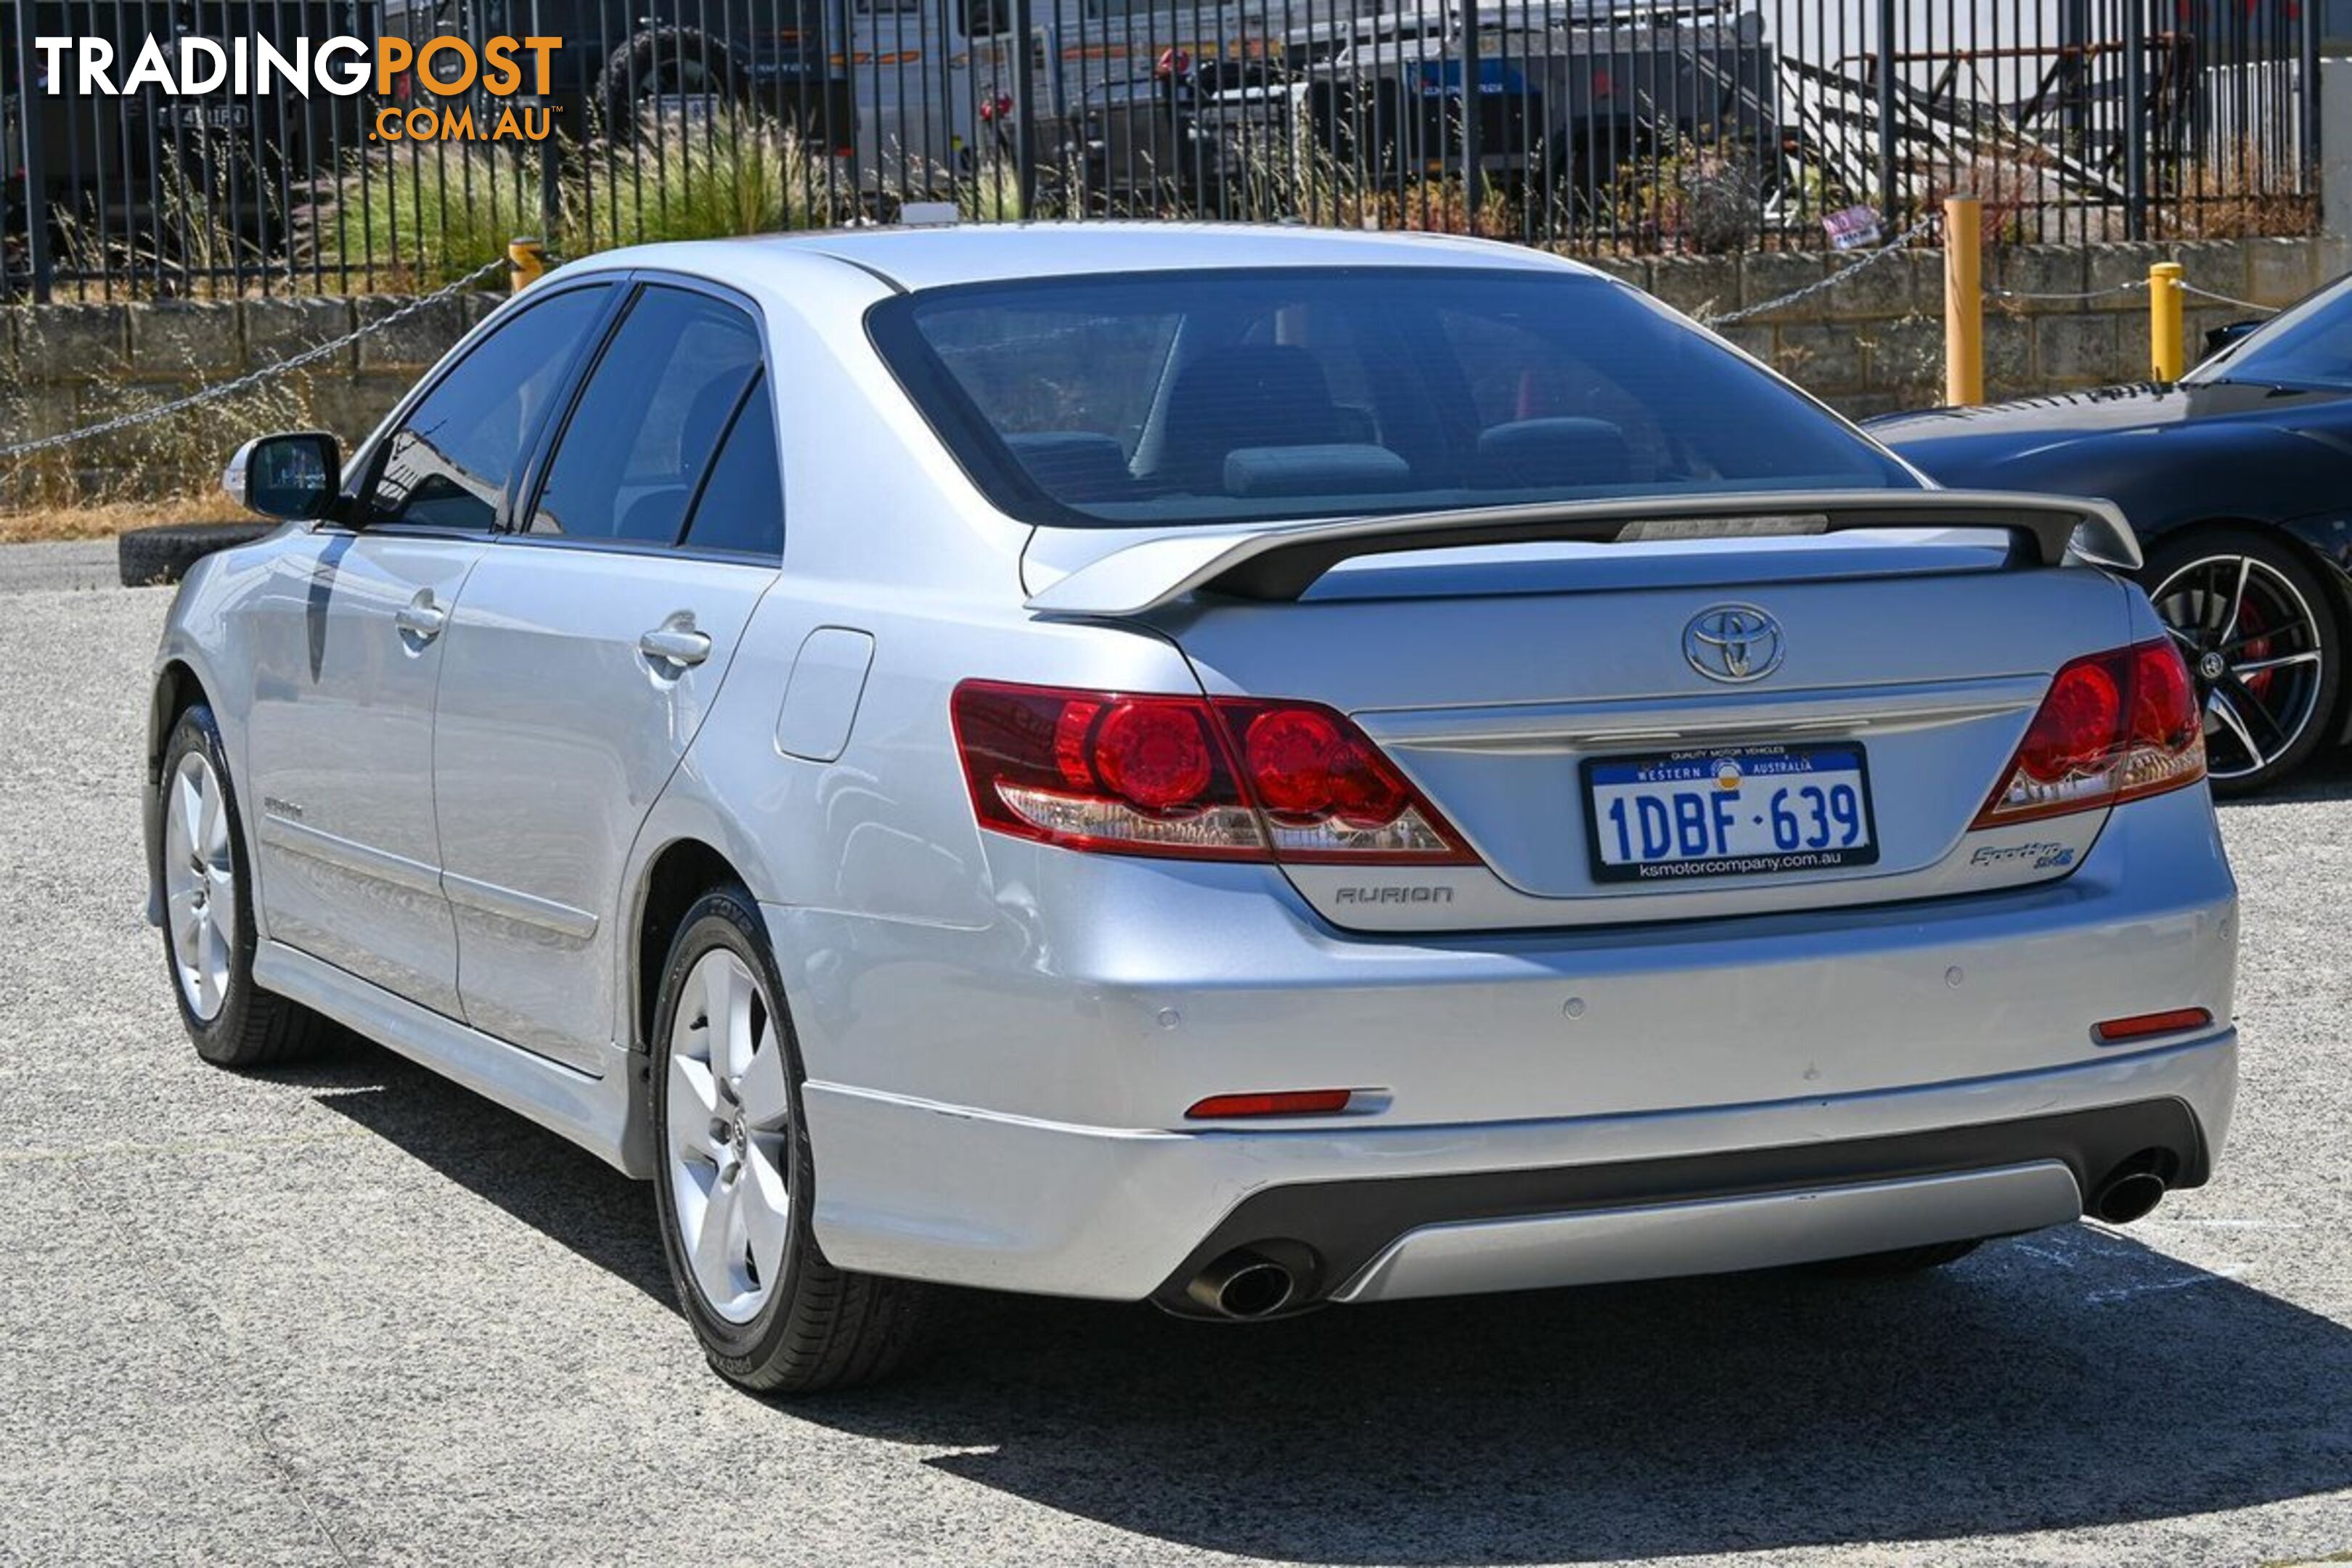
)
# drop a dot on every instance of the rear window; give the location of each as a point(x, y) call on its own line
point(1170, 399)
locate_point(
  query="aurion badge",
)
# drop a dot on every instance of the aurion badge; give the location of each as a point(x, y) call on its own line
point(1733, 643)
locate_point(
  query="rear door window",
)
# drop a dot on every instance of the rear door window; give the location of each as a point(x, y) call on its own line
point(649, 421)
point(742, 507)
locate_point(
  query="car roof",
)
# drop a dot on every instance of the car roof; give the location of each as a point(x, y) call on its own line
point(931, 257)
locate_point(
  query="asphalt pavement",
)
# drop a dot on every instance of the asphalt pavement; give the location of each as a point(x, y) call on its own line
point(348, 1313)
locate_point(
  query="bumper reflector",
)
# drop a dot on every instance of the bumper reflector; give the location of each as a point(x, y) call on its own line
point(1288, 1103)
point(2142, 1025)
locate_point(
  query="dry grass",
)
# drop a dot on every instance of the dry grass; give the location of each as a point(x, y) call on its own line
point(1702, 198)
point(104, 520)
point(1442, 206)
point(2237, 196)
point(2024, 201)
point(156, 470)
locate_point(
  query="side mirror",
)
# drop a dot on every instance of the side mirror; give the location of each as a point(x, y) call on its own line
point(294, 476)
point(2228, 332)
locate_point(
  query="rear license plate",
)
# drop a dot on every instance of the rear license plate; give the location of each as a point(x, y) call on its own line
point(1728, 812)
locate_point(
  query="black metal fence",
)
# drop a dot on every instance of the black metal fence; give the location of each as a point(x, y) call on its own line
point(1602, 126)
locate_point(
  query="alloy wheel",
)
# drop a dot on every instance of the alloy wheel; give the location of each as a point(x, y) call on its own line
point(199, 884)
point(2252, 643)
point(730, 1124)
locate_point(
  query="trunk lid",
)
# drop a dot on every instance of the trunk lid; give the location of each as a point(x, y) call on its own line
point(1504, 678)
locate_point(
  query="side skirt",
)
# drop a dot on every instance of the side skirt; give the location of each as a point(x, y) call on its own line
point(605, 1115)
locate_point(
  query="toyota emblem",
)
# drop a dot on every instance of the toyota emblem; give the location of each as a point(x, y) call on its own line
point(1733, 643)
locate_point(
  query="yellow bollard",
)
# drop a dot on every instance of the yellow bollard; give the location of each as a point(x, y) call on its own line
point(2167, 354)
point(526, 259)
point(1963, 301)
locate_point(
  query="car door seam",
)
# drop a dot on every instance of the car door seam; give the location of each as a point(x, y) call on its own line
point(433, 779)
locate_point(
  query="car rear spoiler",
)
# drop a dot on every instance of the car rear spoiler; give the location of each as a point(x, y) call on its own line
point(1283, 561)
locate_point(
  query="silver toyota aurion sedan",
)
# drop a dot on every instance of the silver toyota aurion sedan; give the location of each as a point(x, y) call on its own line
point(1240, 769)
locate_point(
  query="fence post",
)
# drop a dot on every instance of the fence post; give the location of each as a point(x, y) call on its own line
point(29, 101)
point(2135, 108)
point(2306, 99)
point(2167, 355)
point(1886, 114)
point(550, 190)
point(1472, 177)
point(1024, 88)
point(1963, 301)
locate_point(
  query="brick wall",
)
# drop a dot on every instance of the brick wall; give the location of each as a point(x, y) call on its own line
point(1871, 343)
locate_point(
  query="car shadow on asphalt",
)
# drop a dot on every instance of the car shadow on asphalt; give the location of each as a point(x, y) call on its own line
point(2071, 1379)
point(549, 1184)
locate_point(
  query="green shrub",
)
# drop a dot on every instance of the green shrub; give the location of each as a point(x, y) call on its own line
point(738, 175)
point(419, 214)
point(422, 214)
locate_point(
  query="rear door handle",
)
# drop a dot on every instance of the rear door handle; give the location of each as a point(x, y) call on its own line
point(676, 641)
point(421, 618)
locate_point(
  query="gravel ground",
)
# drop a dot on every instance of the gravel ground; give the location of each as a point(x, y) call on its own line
point(351, 1312)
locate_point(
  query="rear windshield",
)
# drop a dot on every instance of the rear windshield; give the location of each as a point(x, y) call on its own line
point(1231, 396)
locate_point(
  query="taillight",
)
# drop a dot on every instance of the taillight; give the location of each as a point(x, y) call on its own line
point(1326, 792)
point(1228, 779)
point(2113, 727)
point(1093, 771)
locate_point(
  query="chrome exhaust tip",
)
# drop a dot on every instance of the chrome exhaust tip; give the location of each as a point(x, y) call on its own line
point(1243, 1284)
point(2128, 1195)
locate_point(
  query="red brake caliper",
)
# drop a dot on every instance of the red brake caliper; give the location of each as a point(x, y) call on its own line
point(2250, 621)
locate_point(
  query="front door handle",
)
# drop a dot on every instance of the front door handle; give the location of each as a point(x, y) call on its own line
point(420, 618)
point(676, 641)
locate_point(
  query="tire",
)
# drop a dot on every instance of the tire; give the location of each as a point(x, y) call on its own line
point(2261, 724)
point(201, 864)
point(163, 553)
point(1901, 1262)
point(641, 64)
point(729, 1129)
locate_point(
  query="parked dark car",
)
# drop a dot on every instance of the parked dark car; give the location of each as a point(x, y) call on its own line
point(2238, 481)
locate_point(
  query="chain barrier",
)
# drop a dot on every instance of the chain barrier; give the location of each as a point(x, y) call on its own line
point(310, 356)
point(1890, 247)
point(2133, 286)
point(2189, 288)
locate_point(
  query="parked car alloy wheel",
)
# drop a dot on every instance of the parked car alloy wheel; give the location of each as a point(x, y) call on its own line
point(2253, 624)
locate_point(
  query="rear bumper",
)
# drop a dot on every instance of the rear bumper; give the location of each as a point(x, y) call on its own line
point(1362, 1241)
point(1004, 1107)
point(938, 1191)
